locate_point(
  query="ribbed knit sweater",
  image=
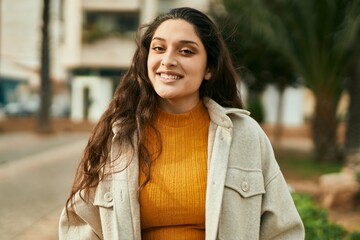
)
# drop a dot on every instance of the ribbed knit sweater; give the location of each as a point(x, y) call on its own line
point(172, 203)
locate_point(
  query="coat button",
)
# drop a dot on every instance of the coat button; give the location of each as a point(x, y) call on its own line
point(108, 197)
point(245, 186)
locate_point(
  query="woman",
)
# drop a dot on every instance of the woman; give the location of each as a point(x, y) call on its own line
point(174, 156)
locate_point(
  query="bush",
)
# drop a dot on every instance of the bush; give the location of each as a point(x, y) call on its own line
point(354, 236)
point(256, 108)
point(315, 219)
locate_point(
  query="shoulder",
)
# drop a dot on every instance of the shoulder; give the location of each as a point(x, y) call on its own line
point(242, 125)
point(247, 131)
point(224, 116)
point(232, 117)
point(242, 118)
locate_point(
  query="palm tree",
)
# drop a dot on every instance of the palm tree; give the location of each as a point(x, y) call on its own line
point(353, 119)
point(314, 37)
point(257, 64)
point(44, 121)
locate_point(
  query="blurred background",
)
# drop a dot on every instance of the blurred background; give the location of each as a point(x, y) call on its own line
point(299, 65)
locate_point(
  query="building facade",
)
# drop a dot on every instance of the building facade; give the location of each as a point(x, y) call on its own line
point(20, 42)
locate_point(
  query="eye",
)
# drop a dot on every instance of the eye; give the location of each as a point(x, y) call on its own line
point(186, 51)
point(158, 49)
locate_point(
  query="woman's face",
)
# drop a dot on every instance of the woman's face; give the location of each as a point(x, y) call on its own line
point(177, 65)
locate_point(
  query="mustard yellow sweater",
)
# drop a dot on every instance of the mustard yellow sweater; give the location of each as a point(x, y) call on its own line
point(172, 203)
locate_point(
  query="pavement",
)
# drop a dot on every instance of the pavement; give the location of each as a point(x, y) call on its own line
point(36, 173)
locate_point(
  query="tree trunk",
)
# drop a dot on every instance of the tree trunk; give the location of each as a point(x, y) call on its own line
point(352, 144)
point(324, 128)
point(44, 121)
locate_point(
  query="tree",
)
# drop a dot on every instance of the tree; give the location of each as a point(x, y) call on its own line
point(352, 144)
point(44, 120)
point(256, 62)
point(315, 38)
point(352, 137)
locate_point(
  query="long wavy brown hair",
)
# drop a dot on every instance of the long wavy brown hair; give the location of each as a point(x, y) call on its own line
point(134, 104)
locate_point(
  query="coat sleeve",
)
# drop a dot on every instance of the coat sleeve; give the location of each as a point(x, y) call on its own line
point(81, 222)
point(279, 218)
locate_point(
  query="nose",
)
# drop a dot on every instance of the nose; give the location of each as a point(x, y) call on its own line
point(169, 60)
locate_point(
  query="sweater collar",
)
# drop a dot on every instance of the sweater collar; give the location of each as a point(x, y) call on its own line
point(198, 114)
point(218, 114)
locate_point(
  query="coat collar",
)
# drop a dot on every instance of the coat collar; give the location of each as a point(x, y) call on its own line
point(220, 115)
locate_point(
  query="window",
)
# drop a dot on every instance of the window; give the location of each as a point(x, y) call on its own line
point(99, 25)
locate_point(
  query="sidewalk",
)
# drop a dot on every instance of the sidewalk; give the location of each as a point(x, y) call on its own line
point(25, 151)
point(36, 173)
point(17, 145)
point(45, 228)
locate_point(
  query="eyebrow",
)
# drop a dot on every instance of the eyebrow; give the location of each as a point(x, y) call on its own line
point(181, 41)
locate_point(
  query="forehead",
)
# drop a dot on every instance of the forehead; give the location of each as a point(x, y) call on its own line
point(177, 29)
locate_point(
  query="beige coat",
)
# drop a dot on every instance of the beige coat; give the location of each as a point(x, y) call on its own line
point(246, 197)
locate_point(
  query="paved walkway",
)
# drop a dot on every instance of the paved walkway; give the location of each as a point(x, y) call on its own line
point(36, 173)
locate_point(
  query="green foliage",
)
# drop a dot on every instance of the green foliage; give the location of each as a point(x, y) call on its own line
point(256, 109)
point(257, 62)
point(304, 165)
point(315, 219)
point(314, 36)
point(313, 39)
point(358, 177)
point(354, 236)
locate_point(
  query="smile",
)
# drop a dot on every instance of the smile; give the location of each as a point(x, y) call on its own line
point(169, 76)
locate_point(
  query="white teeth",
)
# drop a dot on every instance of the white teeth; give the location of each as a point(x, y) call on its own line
point(167, 76)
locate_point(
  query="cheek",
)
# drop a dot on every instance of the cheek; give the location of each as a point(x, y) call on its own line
point(150, 68)
point(152, 61)
point(198, 69)
point(148, 63)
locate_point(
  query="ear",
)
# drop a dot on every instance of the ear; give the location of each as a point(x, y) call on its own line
point(207, 75)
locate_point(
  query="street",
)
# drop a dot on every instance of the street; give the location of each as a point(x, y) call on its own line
point(36, 173)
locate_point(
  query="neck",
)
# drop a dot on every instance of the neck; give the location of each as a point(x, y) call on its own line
point(178, 107)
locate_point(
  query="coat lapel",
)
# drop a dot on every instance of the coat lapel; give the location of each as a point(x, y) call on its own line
point(216, 179)
point(126, 205)
point(122, 216)
point(133, 180)
point(220, 138)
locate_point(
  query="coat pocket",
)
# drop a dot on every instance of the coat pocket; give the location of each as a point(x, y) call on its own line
point(241, 206)
point(247, 182)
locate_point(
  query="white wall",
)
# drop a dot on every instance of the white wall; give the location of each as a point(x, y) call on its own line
point(100, 93)
point(292, 106)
